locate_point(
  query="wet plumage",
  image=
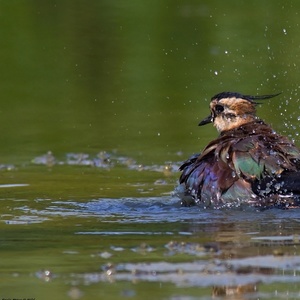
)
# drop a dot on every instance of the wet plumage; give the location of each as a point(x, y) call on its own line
point(248, 163)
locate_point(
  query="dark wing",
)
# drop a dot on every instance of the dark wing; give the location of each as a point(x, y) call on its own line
point(189, 162)
point(216, 173)
point(272, 165)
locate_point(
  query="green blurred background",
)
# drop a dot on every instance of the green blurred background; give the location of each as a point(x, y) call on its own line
point(136, 76)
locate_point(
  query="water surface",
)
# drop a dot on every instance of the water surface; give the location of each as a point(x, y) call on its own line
point(100, 102)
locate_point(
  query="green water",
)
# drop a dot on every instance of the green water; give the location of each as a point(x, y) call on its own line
point(129, 81)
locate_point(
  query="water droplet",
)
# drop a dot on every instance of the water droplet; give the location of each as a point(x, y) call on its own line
point(284, 31)
point(277, 186)
point(216, 73)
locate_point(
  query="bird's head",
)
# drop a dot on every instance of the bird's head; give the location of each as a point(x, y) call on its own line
point(230, 110)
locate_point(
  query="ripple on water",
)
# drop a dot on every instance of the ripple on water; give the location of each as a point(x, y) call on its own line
point(104, 160)
point(25, 220)
point(13, 185)
point(204, 273)
point(164, 209)
point(133, 210)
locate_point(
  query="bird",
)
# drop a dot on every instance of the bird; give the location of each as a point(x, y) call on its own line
point(249, 163)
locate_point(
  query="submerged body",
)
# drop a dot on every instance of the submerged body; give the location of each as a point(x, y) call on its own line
point(247, 163)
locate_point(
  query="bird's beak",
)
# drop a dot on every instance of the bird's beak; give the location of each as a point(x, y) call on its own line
point(207, 120)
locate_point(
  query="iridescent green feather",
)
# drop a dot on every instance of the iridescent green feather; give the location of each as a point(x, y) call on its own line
point(244, 163)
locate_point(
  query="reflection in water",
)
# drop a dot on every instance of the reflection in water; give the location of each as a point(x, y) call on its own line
point(216, 273)
point(154, 240)
point(234, 291)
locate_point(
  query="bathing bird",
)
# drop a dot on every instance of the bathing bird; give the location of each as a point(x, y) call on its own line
point(248, 163)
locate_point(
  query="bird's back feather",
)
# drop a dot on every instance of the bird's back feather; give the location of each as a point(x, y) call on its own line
point(232, 166)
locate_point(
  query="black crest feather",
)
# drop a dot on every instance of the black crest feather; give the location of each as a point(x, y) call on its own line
point(246, 97)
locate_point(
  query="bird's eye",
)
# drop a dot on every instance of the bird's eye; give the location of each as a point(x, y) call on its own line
point(219, 108)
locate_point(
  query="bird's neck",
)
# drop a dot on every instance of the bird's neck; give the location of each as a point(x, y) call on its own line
point(224, 124)
point(247, 127)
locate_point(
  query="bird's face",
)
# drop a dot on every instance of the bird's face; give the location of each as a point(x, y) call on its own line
point(231, 110)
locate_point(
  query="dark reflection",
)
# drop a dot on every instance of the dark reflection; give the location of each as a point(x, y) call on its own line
point(239, 292)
